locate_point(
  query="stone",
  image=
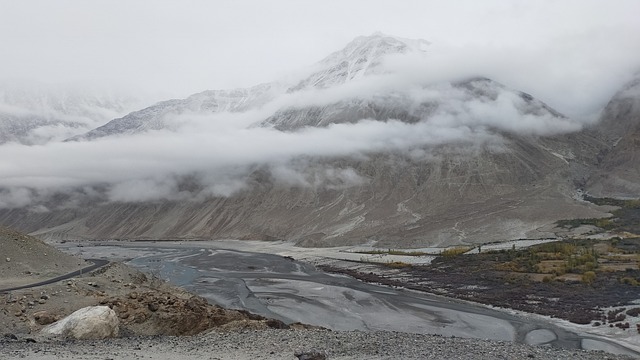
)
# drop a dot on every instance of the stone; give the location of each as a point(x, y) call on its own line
point(153, 306)
point(10, 336)
point(311, 355)
point(92, 322)
point(44, 318)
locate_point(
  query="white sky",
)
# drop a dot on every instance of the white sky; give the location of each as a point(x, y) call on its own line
point(571, 54)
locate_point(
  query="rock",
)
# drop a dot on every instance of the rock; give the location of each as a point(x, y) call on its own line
point(10, 337)
point(276, 324)
point(44, 318)
point(92, 322)
point(311, 355)
point(8, 259)
point(153, 306)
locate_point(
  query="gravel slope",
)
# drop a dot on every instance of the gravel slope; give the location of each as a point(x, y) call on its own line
point(282, 344)
point(25, 259)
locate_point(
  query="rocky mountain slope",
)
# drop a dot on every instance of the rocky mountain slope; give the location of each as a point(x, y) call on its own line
point(618, 171)
point(162, 115)
point(360, 58)
point(28, 260)
point(459, 196)
point(465, 161)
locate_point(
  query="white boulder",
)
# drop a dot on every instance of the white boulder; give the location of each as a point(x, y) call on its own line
point(92, 322)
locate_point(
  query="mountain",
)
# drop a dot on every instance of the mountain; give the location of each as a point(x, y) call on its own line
point(618, 171)
point(32, 113)
point(458, 195)
point(404, 106)
point(361, 57)
point(465, 161)
point(159, 116)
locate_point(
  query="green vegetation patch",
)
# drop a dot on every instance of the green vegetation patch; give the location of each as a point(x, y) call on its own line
point(451, 252)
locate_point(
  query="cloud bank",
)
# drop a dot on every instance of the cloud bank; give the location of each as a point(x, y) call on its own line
point(199, 156)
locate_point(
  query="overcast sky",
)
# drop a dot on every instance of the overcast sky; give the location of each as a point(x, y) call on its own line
point(581, 49)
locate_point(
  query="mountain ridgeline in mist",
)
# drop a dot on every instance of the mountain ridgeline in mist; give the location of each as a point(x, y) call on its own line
point(33, 113)
point(361, 152)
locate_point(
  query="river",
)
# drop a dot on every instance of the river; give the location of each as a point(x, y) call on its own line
point(292, 291)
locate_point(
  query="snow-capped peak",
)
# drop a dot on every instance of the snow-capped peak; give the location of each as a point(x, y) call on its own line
point(360, 57)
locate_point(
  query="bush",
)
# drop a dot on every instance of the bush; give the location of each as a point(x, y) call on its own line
point(398, 265)
point(616, 315)
point(588, 277)
point(455, 251)
point(629, 281)
point(633, 312)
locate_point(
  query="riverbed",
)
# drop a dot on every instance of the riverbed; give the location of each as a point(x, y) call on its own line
point(280, 287)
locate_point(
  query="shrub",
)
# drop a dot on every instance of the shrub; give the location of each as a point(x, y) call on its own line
point(588, 277)
point(455, 251)
point(616, 315)
point(398, 265)
point(633, 312)
point(629, 281)
point(622, 326)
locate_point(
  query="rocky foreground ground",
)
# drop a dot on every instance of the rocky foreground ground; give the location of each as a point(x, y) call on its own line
point(288, 344)
point(144, 305)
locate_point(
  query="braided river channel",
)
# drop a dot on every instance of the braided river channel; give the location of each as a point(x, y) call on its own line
point(293, 291)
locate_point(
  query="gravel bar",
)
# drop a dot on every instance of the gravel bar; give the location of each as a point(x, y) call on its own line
point(285, 344)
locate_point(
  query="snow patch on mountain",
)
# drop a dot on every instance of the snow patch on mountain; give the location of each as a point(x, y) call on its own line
point(161, 115)
point(361, 57)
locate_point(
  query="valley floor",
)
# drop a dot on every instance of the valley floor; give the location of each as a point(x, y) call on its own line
point(462, 283)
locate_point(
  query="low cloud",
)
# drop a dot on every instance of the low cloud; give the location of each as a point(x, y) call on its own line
point(575, 74)
point(200, 156)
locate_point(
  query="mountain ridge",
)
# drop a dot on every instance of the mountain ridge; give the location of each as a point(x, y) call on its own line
point(473, 161)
